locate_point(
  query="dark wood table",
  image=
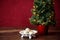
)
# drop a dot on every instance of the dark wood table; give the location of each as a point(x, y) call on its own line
point(16, 36)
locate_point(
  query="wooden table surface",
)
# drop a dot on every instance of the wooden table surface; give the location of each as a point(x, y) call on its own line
point(16, 36)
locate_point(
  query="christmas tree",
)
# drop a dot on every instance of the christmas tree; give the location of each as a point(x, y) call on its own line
point(43, 13)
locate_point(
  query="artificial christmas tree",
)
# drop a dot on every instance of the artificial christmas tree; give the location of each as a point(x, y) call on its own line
point(43, 13)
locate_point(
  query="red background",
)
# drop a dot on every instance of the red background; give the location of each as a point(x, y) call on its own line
point(57, 11)
point(16, 13)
